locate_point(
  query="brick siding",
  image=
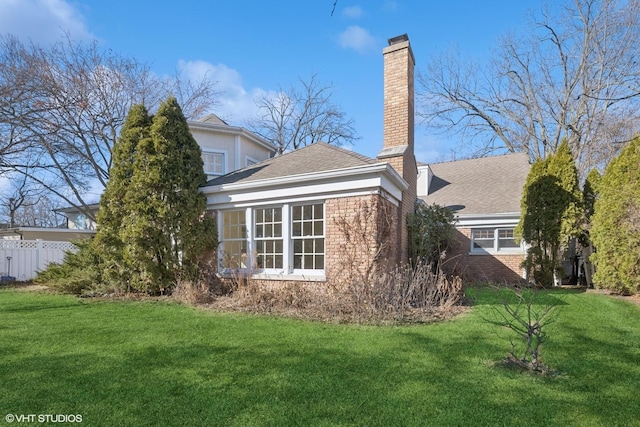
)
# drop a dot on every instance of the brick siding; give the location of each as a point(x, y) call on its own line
point(502, 268)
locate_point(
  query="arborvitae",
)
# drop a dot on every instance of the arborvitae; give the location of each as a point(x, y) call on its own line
point(590, 192)
point(168, 231)
point(562, 165)
point(539, 224)
point(615, 230)
point(108, 242)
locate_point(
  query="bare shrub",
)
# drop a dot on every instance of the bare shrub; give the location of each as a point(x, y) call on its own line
point(403, 294)
point(524, 313)
point(193, 292)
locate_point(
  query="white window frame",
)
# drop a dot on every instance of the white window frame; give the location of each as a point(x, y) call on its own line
point(245, 260)
point(260, 237)
point(223, 162)
point(287, 272)
point(313, 236)
point(495, 248)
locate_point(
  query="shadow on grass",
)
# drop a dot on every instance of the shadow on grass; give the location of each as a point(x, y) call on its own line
point(251, 370)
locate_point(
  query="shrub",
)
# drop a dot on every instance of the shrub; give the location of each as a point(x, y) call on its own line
point(615, 230)
point(78, 273)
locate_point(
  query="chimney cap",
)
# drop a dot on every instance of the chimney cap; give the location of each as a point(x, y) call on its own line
point(398, 39)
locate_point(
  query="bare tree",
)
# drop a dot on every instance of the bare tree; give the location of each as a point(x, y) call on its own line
point(301, 116)
point(25, 204)
point(61, 108)
point(572, 75)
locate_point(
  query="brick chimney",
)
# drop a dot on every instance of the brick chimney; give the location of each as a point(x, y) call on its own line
point(399, 119)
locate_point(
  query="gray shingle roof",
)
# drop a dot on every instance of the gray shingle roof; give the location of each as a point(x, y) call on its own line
point(314, 158)
point(485, 185)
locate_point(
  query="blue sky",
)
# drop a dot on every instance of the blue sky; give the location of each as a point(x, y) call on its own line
point(255, 47)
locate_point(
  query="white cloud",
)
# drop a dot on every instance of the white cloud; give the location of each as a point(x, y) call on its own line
point(353, 12)
point(42, 21)
point(358, 39)
point(390, 6)
point(235, 104)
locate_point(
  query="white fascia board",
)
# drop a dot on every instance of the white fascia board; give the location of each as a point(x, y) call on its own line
point(360, 180)
point(232, 130)
point(508, 219)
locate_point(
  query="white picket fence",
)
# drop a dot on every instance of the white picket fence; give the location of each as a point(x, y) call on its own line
point(23, 259)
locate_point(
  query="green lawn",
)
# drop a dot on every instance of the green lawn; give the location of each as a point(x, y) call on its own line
point(130, 363)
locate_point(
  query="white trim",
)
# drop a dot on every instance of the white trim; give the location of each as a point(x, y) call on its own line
point(331, 184)
point(509, 219)
point(236, 142)
point(521, 250)
point(248, 159)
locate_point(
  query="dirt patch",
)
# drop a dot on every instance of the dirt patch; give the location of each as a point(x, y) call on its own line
point(635, 299)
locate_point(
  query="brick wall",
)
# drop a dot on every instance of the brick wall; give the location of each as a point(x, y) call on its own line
point(358, 230)
point(490, 267)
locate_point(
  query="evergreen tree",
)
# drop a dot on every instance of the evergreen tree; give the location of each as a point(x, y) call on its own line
point(551, 213)
point(615, 230)
point(431, 231)
point(590, 192)
point(168, 231)
point(113, 211)
point(562, 165)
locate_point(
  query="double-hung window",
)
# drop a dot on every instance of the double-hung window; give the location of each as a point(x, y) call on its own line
point(234, 240)
point(493, 240)
point(308, 237)
point(284, 239)
point(268, 238)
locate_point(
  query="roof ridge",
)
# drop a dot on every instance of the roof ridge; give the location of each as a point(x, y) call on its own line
point(474, 158)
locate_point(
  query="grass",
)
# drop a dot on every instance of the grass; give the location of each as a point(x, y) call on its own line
point(135, 363)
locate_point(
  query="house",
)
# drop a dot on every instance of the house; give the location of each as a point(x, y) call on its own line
point(225, 148)
point(283, 219)
point(485, 194)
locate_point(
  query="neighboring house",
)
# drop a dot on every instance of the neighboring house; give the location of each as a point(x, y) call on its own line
point(485, 194)
point(280, 219)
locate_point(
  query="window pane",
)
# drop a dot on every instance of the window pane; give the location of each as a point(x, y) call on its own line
point(297, 229)
point(297, 213)
point(318, 212)
point(307, 229)
point(317, 228)
point(319, 262)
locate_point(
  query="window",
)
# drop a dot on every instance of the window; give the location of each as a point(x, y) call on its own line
point(213, 163)
point(493, 240)
point(234, 240)
point(482, 239)
point(308, 237)
point(268, 237)
point(286, 239)
point(506, 239)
